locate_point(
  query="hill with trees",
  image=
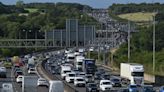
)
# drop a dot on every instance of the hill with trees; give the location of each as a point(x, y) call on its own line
point(142, 41)
point(36, 17)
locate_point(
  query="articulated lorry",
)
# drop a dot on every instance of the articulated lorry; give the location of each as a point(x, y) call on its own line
point(133, 73)
point(89, 66)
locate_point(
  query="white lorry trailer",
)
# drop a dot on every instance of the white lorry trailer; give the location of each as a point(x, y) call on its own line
point(132, 72)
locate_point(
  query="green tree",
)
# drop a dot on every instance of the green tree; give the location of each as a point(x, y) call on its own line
point(19, 3)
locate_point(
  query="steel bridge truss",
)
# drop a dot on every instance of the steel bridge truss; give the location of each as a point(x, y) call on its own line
point(27, 43)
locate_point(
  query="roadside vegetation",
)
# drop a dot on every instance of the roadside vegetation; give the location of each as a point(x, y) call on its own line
point(142, 41)
point(31, 10)
point(16, 20)
point(138, 17)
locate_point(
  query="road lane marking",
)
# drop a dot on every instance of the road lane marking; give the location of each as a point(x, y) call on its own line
point(40, 72)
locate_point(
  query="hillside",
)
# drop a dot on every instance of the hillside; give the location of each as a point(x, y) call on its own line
point(37, 17)
point(142, 41)
point(138, 17)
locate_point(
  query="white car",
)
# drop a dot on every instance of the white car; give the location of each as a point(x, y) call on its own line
point(105, 85)
point(79, 81)
point(81, 74)
point(32, 71)
point(42, 82)
point(70, 77)
point(76, 53)
point(88, 78)
point(81, 50)
point(19, 79)
point(3, 69)
point(7, 87)
point(91, 49)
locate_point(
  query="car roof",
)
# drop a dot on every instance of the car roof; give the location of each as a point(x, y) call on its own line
point(41, 79)
point(132, 85)
point(105, 81)
point(79, 77)
point(19, 71)
point(91, 83)
point(32, 68)
point(71, 73)
point(20, 76)
point(147, 85)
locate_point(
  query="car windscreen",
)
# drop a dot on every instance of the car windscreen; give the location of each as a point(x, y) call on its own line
point(71, 57)
point(137, 74)
point(80, 79)
point(71, 75)
point(148, 89)
point(32, 69)
point(20, 73)
point(92, 85)
point(106, 76)
point(116, 80)
point(106, 83)
point(88, 76)
point(66, 71)
point(80, 63)
point(133, 86)
point(42, 80)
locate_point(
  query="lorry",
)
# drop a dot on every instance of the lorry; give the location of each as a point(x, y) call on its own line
point(132, 73)
point(64, 70)
point(89, 66)
point(79, 62)
point(31, 63)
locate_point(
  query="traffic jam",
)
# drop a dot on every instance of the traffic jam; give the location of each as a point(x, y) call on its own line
point(73, 67)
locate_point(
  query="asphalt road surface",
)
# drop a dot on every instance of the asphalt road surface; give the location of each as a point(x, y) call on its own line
point(17, 86)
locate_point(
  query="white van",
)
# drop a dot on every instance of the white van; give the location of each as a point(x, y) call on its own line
point(70, 57)
point(64, 70)
point(56, 86)
point(79, 62)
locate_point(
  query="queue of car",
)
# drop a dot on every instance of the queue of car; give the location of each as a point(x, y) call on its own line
point(70, 70)
point(69, 66)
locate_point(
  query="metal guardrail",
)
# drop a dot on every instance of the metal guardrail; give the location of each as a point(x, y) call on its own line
point(68, 87)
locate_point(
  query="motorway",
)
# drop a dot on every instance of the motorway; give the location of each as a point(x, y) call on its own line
point(17, 86)
point(81, 89)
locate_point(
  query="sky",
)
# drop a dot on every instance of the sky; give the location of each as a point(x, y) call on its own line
point(92, 3)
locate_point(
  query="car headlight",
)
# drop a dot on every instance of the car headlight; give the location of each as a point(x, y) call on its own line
point(130, 90)
point(103, 88)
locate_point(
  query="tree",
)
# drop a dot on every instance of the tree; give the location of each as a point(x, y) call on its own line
point(19, 3)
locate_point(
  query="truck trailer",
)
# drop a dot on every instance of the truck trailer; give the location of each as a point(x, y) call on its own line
point(89, 66)
point(133, 73)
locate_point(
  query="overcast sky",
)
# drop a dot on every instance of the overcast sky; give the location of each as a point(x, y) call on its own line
point(92, 3)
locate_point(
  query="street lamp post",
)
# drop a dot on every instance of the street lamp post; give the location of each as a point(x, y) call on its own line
point(128, 41)
point(25, 37)
point(153, 43)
